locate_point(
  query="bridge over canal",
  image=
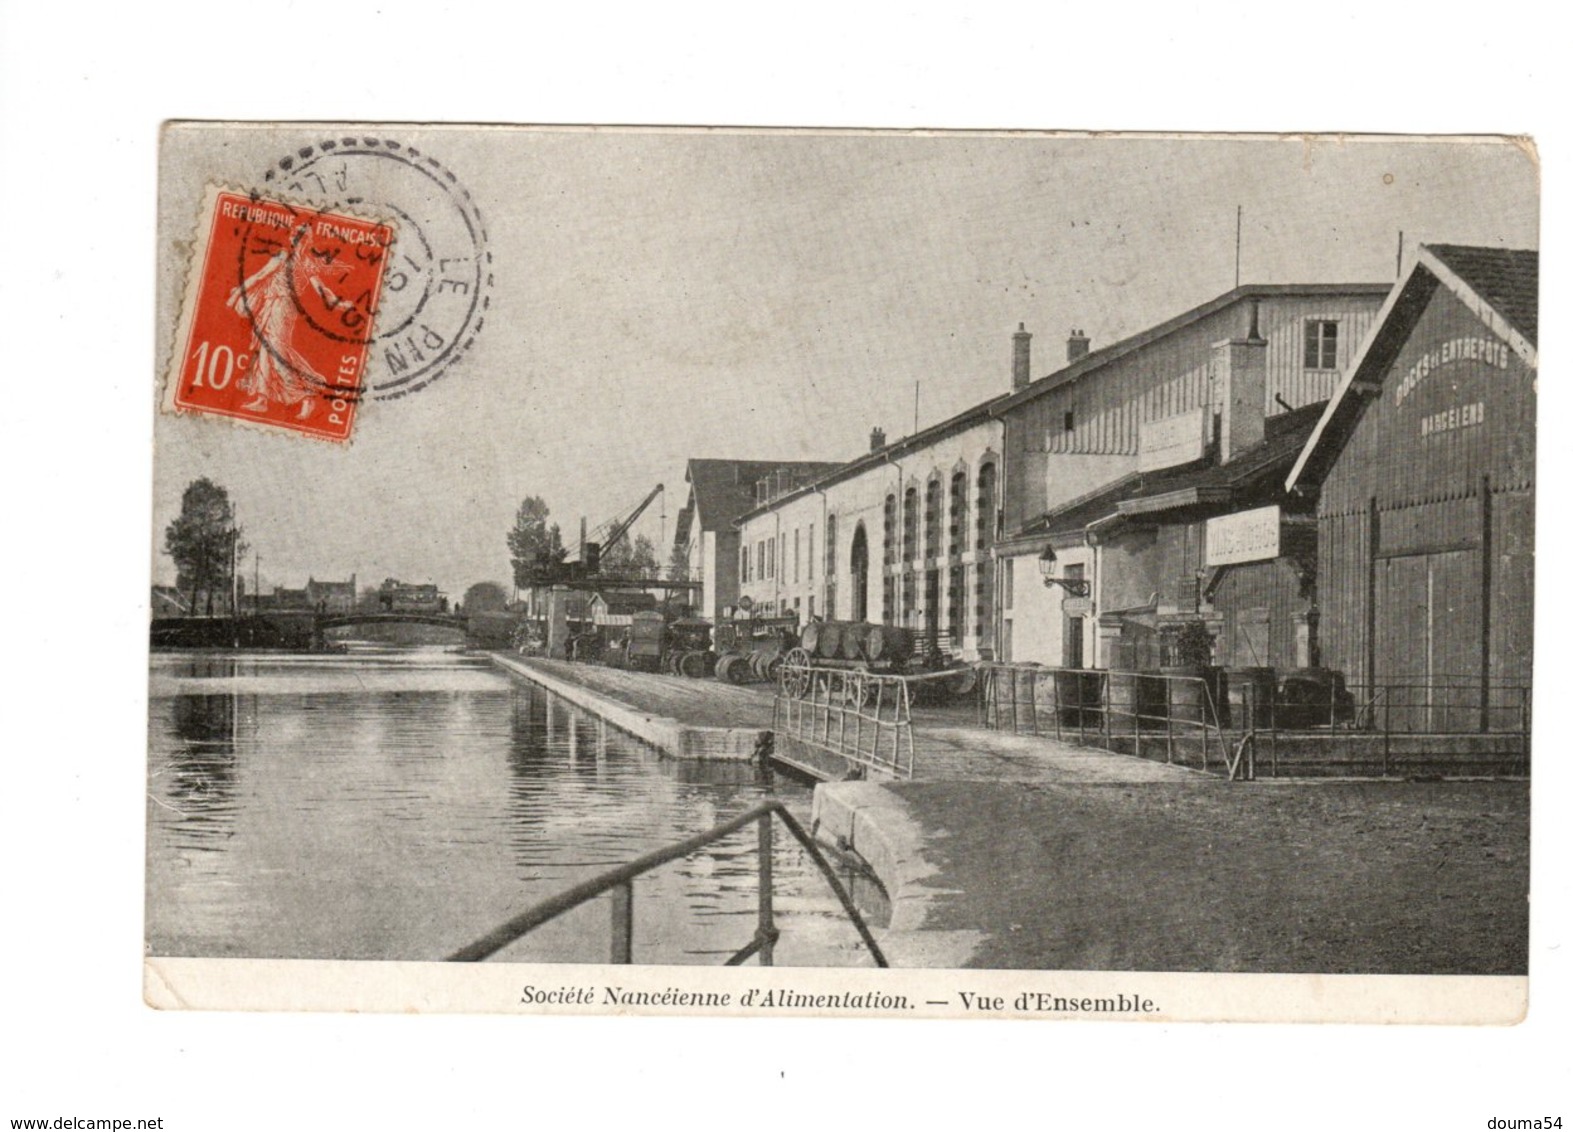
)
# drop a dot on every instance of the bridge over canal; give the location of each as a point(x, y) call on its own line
point(295, 629)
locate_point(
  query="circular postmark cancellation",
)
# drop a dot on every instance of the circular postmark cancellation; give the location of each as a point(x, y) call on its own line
point(435, 290)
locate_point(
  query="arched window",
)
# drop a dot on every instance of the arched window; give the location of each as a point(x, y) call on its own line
point(986, 506)
point(890, 530)
point(931, 518)
point(909, 555)
point(830, 568)
point(887, 596)
point(984, 544)
point(909, 527)
point(958, 514)
point(859, 592)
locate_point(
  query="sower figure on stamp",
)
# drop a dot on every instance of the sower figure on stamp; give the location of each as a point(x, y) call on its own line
point(279, 372)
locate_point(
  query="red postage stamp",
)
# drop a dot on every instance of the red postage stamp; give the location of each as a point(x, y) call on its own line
point(278, 315)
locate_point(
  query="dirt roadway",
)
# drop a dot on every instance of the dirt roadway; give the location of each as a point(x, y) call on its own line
point(1335, 877)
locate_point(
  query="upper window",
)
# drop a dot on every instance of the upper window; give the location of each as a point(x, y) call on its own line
point(1321, 344)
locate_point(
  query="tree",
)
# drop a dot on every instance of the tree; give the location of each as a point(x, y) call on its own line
point(677, 565)
point(204, 543)
point(531, 543)
point(485, 597)
point(631, 560)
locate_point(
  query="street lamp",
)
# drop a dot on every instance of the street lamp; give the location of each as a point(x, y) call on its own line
point(1048, 567)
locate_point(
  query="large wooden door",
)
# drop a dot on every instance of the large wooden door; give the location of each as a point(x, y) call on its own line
point(1428, 642)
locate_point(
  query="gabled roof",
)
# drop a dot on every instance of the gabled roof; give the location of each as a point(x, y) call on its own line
point(685, 524)
point(1507, 281)
point(1198, 484)
point(1097, 359)
point(724, 489)
point(618, 602)
point(895, 450)
point(1500, 285)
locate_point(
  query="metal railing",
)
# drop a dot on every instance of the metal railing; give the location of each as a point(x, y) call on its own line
point(1390, 728)
point(1239, 725)
point(619, 883)
point(865, 717)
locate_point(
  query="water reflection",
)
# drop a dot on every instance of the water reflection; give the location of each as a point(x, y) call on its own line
point(398, 805)
point(198, 773)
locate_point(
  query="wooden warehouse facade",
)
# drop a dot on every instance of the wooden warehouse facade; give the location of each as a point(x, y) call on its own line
point(1198, 389)
point(1423, 470)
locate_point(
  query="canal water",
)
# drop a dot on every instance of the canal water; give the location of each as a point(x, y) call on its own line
point(399, 803)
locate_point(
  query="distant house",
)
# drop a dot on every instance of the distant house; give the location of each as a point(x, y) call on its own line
point(395, 596)
point(331, 597)
point(284, 600)
point(617, 607)
point(719, 491)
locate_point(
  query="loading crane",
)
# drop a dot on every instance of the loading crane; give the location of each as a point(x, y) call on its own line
point(591, 554)
point(556, 568)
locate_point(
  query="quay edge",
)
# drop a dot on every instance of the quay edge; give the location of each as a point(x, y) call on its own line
point(671, 737)
point(874, 823)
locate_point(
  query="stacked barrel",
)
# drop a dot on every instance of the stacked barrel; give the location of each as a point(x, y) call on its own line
point(858, 642)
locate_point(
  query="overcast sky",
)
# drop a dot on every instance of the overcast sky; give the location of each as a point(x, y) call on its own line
point(660, 296)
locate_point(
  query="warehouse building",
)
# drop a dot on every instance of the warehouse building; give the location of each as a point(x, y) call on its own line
point(1193, 399)
point(707, 538)
point(1423, 471)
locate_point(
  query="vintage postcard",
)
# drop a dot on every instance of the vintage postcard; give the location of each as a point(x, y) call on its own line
point(851, 573)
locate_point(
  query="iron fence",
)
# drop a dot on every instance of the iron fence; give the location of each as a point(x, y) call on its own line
point(1247, 722)
point(1145, 714)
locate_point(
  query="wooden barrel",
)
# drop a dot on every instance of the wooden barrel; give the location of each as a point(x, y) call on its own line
point(811, 636)
point(829, 642)
point(888, 642)
point(853, 637)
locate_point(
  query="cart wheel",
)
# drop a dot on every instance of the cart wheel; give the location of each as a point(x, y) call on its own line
point(794, 673)
point(857, 690)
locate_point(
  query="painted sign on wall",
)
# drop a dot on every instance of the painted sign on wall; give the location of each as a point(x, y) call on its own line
point(1173, 440)
point(1246, 536)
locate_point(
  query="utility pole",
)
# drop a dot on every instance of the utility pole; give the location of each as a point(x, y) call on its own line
point(1239, 222)
point(234, 579)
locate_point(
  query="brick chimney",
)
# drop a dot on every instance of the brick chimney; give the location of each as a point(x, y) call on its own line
point(876, 440)
point(1077, 346)
point(1021, 358)
point(1241, 367)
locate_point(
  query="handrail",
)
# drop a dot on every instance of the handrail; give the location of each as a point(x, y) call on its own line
point(619, 882)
